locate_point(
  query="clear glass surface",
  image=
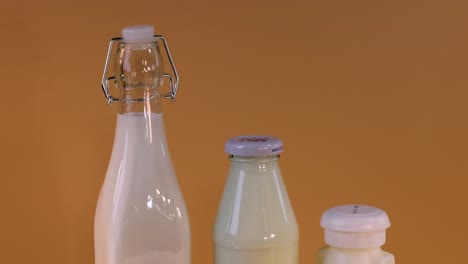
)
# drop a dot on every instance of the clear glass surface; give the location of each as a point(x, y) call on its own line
point(141, 217)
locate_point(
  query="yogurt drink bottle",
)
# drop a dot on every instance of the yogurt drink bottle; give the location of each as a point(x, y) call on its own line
point(255, 223)
point(354, 235)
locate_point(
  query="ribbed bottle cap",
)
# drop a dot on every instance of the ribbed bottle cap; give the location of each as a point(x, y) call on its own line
point(254, 146)
point(355, 226)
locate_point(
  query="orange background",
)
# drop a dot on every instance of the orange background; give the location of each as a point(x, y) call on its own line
point(370, 98)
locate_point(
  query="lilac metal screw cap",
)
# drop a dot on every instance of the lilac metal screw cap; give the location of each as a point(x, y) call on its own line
point(254, 146)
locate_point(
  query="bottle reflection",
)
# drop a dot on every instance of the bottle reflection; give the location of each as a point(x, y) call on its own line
point(163, 205)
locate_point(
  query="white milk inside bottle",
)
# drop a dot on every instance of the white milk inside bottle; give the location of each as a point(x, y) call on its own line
point(354, 235)
point(141, 216)
point(255, 223)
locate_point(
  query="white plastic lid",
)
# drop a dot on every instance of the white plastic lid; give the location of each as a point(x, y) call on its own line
point(355, 226)
point(254, 146)
point(141, 33)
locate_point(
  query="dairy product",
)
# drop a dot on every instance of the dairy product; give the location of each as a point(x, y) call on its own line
point(333, 255)
point(354, 235)
point(141, 216)
point(255, 221)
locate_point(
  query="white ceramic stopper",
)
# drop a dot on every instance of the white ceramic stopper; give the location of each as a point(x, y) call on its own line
point(135, 34)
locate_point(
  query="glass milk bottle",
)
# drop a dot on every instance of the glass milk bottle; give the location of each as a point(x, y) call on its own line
point(255, 223)
point(141, 216)
point(354, 235)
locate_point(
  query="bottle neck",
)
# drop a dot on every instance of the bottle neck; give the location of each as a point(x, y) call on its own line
point(354, 250)
point(340, 239)
point(139, 75)
point(140, 100)
point(140, 130)
point(255, 164)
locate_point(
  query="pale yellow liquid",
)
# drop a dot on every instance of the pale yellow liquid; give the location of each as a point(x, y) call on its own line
point(274, 255)
point(255, 222)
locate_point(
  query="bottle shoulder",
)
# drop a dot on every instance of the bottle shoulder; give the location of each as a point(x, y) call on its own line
point(331, 255)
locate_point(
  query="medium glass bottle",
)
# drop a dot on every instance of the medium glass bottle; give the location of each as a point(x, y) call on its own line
point(141, 217)
point(255, 223)
point(354, 235)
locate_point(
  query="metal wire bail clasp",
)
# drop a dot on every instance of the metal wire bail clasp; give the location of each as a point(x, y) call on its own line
point(173, 81)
